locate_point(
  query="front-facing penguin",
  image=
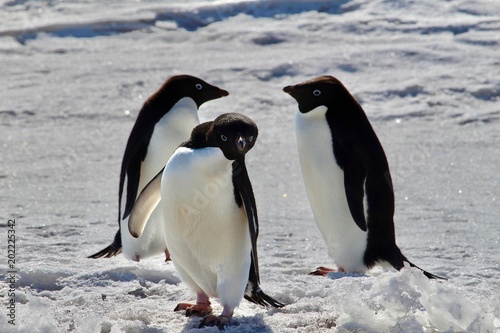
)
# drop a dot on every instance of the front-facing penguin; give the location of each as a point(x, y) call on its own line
point(210, 213)
point(164, 122)
point(346, 176)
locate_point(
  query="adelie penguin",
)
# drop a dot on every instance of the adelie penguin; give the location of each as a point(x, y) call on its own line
point(210, 213)
point(164, 122)
point(346, 176)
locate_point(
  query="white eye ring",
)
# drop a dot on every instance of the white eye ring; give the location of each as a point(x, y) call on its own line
point(199, 86)
point(317, 93)
point(223, 137)
point(250, 138)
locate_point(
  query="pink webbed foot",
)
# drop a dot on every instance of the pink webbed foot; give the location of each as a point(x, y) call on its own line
point(202, 307)
point(197, 310)
point(220, 321)
point(217, 321)
point(323, 271)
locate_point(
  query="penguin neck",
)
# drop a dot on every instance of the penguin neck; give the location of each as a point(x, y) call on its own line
point(170, 130)
point(312, 127)
point(182, 114)
point(318, 112)
point(208, 160)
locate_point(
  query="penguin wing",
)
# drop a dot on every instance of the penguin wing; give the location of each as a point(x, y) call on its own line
point(244, 196)
point(144, 206)
point(132, 169)
point(354, 179)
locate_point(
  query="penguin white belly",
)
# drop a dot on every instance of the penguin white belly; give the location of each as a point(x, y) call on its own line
point(324, 182)
point(206, 232)
point(173, 129)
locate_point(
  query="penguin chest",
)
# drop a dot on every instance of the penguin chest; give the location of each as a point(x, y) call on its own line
point(208, 235)
point(168, 133)
point(324, 182)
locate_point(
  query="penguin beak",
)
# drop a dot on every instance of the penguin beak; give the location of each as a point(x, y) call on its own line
point(241, 142)
point(223, 92)
point(289, 89)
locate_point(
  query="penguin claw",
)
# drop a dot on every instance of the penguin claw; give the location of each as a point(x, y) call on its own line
point(211, 321)
point(199, 311)
point(196, 310)
point(182, 306)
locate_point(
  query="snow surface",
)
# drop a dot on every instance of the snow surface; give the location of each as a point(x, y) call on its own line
point(74, 74)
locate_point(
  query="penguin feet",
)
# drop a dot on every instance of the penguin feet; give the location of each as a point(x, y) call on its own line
point(323, 271)
point(217, 321)
point(202, 307)
point(196, 310)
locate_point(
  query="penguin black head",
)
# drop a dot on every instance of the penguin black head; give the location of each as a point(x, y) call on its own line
point(180, 86)
point(235, 134)
point(324, 90)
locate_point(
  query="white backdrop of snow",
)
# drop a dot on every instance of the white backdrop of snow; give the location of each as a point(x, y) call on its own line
point(74, 74)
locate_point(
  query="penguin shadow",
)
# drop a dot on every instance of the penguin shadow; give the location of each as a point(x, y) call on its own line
point(253, 323)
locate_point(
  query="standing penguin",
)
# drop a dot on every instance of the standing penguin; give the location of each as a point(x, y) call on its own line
point(346, 176)
point(211, 217)
point(165, 121)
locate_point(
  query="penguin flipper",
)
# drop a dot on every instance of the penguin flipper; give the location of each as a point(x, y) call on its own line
point(254, 294)
point(354, 178)
point(135, 152)
point(111, 250)
point(144, 206)
point(244, 192)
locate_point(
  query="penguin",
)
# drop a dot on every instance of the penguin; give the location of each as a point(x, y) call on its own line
point(165, 121)
point(210, 213)
point(347, 178)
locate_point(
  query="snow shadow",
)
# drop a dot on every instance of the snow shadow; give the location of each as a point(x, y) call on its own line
point(236, 325)
point(189, 18)
point(341, 275)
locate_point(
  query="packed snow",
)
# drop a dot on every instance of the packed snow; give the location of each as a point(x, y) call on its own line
point(74, 75)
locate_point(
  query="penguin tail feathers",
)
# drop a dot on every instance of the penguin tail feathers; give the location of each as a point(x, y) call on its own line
point(429, 275)
point(397, 259)
point(110, 251)
point(254, 294)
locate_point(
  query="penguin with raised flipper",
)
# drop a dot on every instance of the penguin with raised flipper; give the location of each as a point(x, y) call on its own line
point(210, 216)
point(164, 122)
point(346, 176)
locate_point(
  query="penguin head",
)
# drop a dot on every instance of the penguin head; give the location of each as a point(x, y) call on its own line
point(321, 91)
point(181, 86)
point(235, 134)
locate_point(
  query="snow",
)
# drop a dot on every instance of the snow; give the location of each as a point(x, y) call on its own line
point(74, 74)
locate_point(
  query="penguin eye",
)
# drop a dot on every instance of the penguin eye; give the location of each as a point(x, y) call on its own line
point(250, 138)
point(199, 86)
point(223, 137)
point(317, 93)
